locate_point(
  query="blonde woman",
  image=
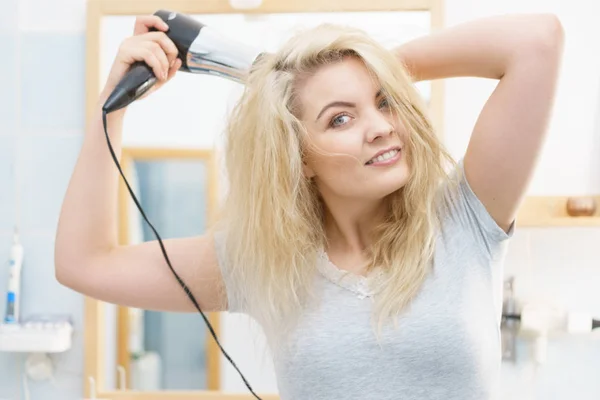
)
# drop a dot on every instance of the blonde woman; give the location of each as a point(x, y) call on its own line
point(372, 260)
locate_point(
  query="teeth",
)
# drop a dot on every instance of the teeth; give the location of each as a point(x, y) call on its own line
point(384, 156)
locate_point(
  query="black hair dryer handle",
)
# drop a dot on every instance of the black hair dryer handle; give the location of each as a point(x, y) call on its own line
point(140, 78)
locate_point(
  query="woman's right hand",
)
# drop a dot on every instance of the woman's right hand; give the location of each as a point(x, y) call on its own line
point(154, 48)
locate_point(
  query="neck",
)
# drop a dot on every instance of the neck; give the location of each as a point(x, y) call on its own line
point(349, 223)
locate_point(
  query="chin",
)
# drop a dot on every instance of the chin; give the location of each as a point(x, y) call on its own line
point(392, 181)
point(371, 187)
point(391, 187)
point(380, 188)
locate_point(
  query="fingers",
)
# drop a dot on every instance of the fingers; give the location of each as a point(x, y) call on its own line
point(164, 50)
point(155, 48)
point(152, 59)
point(144, 23)
point(172, 71)
point(166, 44)
point(174, 68)
point(161, 70)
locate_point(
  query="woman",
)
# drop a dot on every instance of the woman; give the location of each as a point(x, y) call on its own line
point(374, 269)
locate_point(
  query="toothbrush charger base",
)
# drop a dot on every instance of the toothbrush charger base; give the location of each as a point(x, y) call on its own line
point(36, 337)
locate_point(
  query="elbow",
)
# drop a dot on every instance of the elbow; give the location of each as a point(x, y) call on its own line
point(63, 261)
point(76, 272)
point(547, 36)
point(72, 265)
point(62, 273)
point(553, 33)
point(72, 276)
point(60, 264)
point(541, 47)
point(67, 269)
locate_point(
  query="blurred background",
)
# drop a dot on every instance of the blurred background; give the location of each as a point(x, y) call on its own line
point(42, 120)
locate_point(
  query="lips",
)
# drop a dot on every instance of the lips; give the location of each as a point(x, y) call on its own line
point(384, 155)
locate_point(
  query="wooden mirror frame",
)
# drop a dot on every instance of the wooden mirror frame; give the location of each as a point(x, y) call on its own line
point(94, 318)
point(128, 157)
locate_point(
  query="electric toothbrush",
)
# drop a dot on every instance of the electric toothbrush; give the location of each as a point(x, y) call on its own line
point(14, 281)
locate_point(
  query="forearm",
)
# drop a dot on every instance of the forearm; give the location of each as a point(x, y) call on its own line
point(88, 219)
point(485, 48)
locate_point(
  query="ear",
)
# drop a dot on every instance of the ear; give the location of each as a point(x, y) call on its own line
point(308, 172)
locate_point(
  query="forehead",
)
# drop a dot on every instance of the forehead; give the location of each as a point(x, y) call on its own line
point(347, 80)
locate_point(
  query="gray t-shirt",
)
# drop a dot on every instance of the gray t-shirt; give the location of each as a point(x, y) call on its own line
point(446, 345)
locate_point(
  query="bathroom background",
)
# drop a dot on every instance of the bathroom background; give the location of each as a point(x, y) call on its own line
point(42, 100)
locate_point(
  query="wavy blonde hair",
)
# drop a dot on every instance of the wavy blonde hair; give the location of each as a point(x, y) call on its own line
point(273, 215)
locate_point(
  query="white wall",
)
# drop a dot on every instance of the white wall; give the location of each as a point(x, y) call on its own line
point(559, 264)
point(570, 161)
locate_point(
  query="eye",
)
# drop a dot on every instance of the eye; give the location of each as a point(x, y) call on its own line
point(338, 120)
point(384, 103)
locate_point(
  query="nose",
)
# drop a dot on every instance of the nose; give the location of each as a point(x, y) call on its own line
point(379, 127)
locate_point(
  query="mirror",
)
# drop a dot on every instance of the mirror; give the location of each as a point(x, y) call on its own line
point(165, 350)
point(167, 138)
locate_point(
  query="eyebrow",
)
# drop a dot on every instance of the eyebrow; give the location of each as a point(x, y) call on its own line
point(343, 104)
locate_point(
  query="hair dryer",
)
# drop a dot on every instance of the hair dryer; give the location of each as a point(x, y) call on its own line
point(202, 50)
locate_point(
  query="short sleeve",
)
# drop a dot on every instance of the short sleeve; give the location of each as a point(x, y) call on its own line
point(465, 213)
point(232, 291)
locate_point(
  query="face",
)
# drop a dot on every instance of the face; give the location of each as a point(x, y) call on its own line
point(355, 146)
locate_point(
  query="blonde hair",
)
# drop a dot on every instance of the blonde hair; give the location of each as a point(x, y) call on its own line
point(272, 215)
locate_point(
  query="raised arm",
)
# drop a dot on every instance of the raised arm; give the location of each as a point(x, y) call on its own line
point(524, 53)
point(88, 258)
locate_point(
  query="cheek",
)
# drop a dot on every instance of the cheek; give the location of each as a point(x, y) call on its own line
point(400, 129)
point(334, 154)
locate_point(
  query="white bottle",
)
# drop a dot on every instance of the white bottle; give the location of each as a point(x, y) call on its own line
point(14, 282)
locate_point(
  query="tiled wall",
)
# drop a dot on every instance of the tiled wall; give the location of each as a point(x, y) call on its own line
point(41, 124)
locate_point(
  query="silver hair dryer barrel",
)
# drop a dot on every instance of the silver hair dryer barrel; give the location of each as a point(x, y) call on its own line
point(202, 50)
point(211, 54)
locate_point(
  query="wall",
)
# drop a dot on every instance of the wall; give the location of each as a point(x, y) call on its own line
point(41, 122)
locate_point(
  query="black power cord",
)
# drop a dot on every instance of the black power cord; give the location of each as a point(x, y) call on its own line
point(517, 317)
point(162, 247)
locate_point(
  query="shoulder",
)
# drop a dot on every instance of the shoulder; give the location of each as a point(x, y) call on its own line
point(463, 215)
point(233, 293)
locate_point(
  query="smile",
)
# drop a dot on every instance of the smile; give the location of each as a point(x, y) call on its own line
point(387, 158)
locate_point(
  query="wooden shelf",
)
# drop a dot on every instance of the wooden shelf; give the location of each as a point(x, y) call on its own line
point(542, 211)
